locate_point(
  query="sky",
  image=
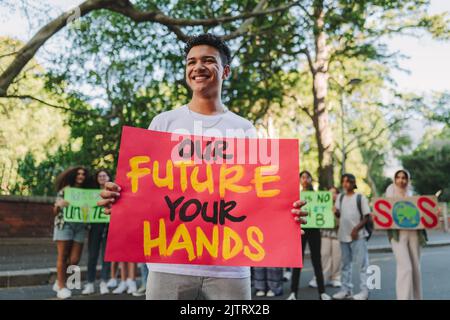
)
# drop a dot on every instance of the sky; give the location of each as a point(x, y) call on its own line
point(428, 60)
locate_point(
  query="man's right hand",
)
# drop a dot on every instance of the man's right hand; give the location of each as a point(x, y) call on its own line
point(109, 195)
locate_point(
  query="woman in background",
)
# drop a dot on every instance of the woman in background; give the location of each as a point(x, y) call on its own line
point(406, 245)
point(330, 252)
point(311, 236)
point(98, 233)
point(69, 236)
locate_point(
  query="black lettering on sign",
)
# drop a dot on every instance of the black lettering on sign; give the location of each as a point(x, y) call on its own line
point(323, 198)
point(99, 213)
point(77, 212)
point(191, 209)
point(66, 213)
point(213, 149)
point(184, 209)
point(173, 206)
point(320, 221)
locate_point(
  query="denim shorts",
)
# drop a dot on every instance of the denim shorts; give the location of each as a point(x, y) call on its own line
point(70, 231)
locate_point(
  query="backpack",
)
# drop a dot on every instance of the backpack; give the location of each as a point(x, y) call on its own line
point(369, 224)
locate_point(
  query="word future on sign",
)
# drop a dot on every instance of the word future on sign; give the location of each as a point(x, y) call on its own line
point(189, 199)
point(419, 212)
point(83, 206)
point(319, 205)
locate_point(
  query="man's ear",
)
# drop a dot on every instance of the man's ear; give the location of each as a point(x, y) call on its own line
point(226, 72)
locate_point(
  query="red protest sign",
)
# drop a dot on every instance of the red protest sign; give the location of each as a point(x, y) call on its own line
point(204, 200)
point(420, 212)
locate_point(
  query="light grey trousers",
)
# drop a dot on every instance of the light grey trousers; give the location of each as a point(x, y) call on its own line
point(167, 286)
point(407, 254)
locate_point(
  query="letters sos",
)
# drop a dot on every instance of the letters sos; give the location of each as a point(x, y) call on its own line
point(387, 217)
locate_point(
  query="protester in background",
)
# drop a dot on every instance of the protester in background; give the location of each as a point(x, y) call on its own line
point(127, 278)
point(406, 245)
point(353, 210)
point(112, 282)
point(144, 274)
point(330, 252)
point(311, 236)
point(69, 236)
point(97, 242)
point(287, 274)
point(268, 281)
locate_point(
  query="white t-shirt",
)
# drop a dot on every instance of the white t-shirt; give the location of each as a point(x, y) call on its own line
point(350, 216)
point(184, 121)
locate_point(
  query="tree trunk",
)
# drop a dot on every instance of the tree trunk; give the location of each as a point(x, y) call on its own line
point(324, 136)
point(369, 178)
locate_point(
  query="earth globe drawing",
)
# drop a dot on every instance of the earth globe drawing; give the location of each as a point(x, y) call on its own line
point(406, 214)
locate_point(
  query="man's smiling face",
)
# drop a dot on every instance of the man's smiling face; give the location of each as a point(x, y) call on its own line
point(205, 71)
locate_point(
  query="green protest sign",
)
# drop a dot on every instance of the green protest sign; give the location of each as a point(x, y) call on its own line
point(319, 207)
point(83, 206)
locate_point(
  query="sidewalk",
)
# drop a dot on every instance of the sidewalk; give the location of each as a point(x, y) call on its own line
point(31, 261)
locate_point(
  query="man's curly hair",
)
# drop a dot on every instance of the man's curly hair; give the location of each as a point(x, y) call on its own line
point(210, 40)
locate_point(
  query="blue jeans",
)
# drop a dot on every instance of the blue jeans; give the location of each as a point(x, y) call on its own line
point(269, 279)
point(96, 247)
point(144, 273)
point(355, 251)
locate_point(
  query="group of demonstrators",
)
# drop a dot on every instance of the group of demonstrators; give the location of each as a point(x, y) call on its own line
point(332, 251)
point(70, 237)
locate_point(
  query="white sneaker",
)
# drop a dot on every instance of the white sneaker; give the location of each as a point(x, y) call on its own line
point(63, 293)
point(363, 295)
point(270, 294)
point(88, 289)
point(104, 288)
point(291, 297)
point(260, 293)
point(287, 275)
point(121, 288)
point(325, 296)
point(55, 286)
point(313, 283)
point(341, 295)
point(132, 287)
point(140, 292)
point(335, 283)
point(112, 283)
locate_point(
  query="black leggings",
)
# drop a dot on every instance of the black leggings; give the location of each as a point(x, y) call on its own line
point(312, 236)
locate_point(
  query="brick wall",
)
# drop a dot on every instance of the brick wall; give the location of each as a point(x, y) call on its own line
point(22, 216)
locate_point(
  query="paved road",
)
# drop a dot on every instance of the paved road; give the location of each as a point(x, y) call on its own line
point(34, 253)
point(436, 282)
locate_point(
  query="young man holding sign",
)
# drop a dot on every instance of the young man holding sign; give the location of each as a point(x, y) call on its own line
point(353, 211)
point(207, 66)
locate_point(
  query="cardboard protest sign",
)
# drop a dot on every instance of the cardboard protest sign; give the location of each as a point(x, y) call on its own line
point(205, 200)
point(320, 209)
point(420, 212)
point(83, 206)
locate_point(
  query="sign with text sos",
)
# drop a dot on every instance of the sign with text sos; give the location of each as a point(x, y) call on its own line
point(420, 212)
